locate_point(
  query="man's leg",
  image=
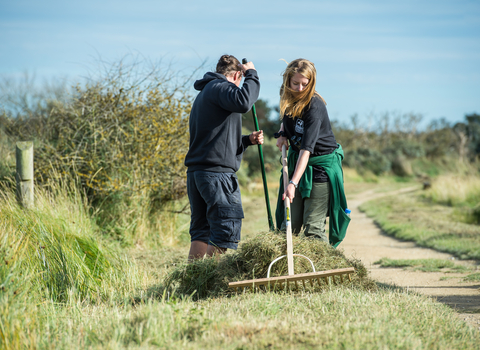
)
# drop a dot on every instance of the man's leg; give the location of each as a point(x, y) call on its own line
point(221, 192)
point(199, 227)
point(197, 250)
point(211, 250)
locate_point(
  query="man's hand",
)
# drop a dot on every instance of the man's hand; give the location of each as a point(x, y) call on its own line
point(246, 66)
point(256, 137)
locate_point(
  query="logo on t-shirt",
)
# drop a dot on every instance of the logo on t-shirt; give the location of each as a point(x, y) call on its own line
point(299, 126)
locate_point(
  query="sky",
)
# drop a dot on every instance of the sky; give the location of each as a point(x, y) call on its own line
point(372, 57)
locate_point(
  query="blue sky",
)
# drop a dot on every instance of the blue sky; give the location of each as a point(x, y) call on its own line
point(372, 57)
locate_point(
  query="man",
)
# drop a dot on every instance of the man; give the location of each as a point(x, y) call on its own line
point(215, 153)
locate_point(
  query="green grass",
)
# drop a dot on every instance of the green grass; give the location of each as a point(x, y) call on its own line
point(409, 216)
point(91, 294)
point(335, 319)
point(425, 265)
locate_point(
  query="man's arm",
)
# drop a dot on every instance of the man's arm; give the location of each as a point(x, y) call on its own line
point(240, 99)
point(255, 138)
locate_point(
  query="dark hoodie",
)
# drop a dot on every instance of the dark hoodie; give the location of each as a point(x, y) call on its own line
point(216, 141)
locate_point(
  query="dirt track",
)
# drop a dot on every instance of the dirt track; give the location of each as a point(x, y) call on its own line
point(366, 241)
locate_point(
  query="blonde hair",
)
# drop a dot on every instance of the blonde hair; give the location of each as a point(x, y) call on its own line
point(293, 102)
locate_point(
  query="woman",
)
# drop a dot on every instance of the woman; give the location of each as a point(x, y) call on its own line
point(314, 159)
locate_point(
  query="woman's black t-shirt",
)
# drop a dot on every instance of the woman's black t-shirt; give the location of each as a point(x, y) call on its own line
point(312, 132)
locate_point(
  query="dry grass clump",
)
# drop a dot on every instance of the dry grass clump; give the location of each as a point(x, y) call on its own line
point(455, 190)
point(209, 277)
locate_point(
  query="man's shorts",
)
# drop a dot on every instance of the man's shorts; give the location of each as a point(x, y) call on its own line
point(216, 208)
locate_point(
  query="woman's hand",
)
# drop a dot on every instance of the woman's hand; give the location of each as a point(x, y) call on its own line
point(302, 162)
point(289, 192)
point(256, 137)
point(282, 140)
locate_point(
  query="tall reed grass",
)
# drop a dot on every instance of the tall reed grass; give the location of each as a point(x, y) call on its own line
point(57, 246)
point(53, 255)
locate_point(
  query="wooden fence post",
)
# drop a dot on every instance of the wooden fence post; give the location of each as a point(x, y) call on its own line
point(24, 177)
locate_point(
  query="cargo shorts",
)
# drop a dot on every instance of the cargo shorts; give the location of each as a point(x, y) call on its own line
point(216, 208)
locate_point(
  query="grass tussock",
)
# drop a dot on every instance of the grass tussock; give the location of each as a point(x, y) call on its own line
point(55, 249)
point(51, 257)
point(458, 191)
point(209, 277)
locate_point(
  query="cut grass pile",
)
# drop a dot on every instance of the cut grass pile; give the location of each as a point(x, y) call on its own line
point(209, 277)
point(425, 265)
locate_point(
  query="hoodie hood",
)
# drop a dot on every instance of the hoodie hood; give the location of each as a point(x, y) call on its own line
point(216, 141)
point(208, 77)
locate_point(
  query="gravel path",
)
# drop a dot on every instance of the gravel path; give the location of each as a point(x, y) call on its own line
point(366, 241)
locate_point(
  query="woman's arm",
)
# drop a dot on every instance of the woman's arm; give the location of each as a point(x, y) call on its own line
point(297, 175)
point(282, 140)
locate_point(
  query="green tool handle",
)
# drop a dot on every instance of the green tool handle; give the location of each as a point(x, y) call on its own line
point(262, 164)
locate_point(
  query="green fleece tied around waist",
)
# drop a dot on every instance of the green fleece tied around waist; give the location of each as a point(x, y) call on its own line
point(332, 163)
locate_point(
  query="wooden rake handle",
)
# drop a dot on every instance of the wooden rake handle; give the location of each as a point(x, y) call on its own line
point(288, 221)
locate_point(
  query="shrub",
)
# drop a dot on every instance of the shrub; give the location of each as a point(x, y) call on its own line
point(365, 159)
point(406, 147)
point(122, 137)
point(7, 156)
